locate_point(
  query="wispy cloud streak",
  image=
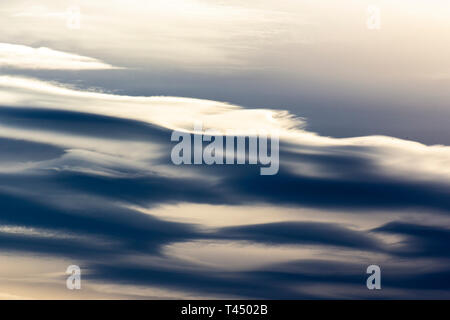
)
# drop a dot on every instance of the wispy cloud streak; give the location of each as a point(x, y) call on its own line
point(24, 57)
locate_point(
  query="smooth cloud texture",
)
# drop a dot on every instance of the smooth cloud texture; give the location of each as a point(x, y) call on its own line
point(24, 57)
point(86, 177)
point(391, 156)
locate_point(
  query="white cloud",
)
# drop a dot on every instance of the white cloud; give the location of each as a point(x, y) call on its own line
point(24, 57)
point(176, 33)
point(391, 156)
point(168, 112)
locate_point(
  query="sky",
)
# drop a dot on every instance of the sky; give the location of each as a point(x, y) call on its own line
point(91, 93)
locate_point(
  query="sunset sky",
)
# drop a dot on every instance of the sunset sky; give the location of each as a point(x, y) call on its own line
point(91, 91)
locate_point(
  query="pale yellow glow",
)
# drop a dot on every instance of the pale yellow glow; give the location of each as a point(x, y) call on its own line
point(242, 255)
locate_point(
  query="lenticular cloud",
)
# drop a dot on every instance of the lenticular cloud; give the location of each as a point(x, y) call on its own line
point(25, 57)
point(391, 156)
point(86, 178)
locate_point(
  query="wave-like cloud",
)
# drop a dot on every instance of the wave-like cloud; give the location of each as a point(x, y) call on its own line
point(25, 57)
point(391, 156)
point(86, 177)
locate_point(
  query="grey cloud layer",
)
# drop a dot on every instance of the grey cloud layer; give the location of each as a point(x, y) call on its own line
point(81, 164)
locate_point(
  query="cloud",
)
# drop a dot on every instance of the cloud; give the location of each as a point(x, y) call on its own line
point(302, 232)
point(24, 57)
point(420, 240)
point(389, 156)
point(91, 129)
point(154, 32)
point(86, 176)
point(167, 112)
